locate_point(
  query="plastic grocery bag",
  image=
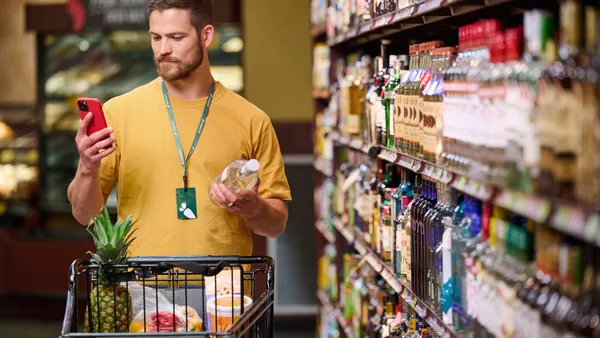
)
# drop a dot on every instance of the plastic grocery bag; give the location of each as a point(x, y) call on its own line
point(160, 314)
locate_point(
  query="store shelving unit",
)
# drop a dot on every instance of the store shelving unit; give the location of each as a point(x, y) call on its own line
point(426, 13)
point(356, 238)
point(425, 19)
point(576, 220)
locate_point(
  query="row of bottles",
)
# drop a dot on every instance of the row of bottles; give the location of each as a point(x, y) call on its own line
point(485, 271)
point(508, 105)
point(369, 307)
point(345, 14)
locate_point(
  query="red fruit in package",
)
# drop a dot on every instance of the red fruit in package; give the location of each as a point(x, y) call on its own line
point(164, 321)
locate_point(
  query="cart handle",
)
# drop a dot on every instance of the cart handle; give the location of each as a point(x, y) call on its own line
point(71, 295)
point(203, 259)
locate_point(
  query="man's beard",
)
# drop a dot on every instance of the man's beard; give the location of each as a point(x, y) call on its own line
point(178, 70)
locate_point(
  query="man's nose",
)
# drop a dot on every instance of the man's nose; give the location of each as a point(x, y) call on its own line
point(165, 47)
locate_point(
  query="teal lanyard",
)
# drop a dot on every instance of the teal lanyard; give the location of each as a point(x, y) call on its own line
point(182, 159)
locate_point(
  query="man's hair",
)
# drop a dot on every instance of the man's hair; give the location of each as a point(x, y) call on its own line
point(201, 11)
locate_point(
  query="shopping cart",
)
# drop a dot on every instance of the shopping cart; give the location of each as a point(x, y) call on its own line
point(169, 294)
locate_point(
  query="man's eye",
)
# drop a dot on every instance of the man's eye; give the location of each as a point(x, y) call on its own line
point(177, 38)
point(156, 38)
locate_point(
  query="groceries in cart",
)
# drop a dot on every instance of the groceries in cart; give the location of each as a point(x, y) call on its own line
point(159, 314)
point(225, 310)
point(193, 295)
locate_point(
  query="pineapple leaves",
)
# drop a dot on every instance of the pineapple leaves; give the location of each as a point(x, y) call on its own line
point(112, 241)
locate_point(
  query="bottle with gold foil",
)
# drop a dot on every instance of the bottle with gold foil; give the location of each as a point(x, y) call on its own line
point(570, 98)
point(401, 133)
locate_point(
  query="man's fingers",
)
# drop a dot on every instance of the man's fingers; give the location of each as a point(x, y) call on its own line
point(229, 196)
point(101, 134)
point(247, 195)
point(104, 144)
point(88, 142)
point(104, 153)
point(83, 124)
point(219, 195)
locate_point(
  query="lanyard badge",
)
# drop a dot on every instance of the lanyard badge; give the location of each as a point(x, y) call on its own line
point(186, 196)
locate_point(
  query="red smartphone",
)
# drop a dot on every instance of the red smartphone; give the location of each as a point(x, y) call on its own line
point(89, 105)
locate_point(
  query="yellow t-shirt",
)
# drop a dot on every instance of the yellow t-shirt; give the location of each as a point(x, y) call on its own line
point(147, 170)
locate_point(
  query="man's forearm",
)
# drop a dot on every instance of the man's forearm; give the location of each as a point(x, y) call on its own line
point(85, 195)
point(269, 219)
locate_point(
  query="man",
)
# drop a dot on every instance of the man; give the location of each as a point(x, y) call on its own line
point(156, 180)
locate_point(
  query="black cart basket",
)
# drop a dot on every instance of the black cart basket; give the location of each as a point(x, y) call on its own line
point(173, 296)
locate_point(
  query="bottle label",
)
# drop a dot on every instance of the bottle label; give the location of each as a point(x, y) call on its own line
point(224, 173)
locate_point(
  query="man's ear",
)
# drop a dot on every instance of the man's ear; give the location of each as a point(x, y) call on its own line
point(207, 35)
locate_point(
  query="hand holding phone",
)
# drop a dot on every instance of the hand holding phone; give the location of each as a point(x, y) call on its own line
point(94, 140)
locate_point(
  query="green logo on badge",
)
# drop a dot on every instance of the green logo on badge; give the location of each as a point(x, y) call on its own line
point(187, 212)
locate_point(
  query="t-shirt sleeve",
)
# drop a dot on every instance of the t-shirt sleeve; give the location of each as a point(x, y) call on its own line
point(109, 166)
point(273, 181)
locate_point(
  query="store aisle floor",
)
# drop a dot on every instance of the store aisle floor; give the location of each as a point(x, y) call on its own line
point(34, 329)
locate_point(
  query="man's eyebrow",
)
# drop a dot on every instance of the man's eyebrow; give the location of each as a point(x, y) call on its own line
point(170, 35)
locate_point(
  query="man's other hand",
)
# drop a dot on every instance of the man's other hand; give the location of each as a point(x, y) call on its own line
point(244, 203)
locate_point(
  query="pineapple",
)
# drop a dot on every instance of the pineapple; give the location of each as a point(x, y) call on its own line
point(110, 302)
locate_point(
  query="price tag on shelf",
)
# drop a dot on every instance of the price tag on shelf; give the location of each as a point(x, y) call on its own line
point(396, 285)
point(435, 325)
point(385, 273)
point(356, 143)
point(360, 248)
point(473, 188)
point(384, 20)
point(462, 182)
point(416, 165)
point(420, 309)
point(447, 177)
point(388, 155)
point(577, 222)
point(403, 293)
point(439, 173)
point(406, 162)
point(561, 217)
point(429, 170)
point(374, 262)
point(423, 7)
point(413, 301)
point(591, 228)
point(520, 203)
point(349, 235)
point(404, 13)
point(540, 209)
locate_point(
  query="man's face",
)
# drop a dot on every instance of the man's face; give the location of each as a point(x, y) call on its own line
point(176, 45)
